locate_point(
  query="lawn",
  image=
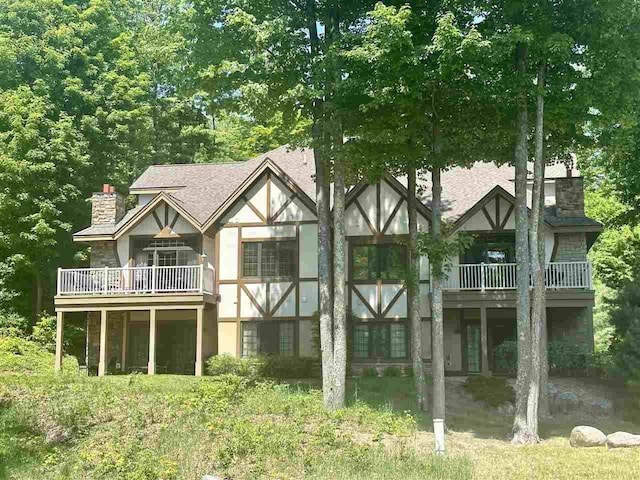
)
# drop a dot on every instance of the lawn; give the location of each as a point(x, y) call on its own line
point(171, 427)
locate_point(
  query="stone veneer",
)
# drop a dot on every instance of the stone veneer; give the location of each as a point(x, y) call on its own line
point(107, 208)
point(569, 197)
point(104, 254)
point(571, 247)
point(114, 340)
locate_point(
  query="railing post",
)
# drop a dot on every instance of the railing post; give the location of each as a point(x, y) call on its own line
point(201, 278)
point(105, 287)
point(590, 280)
point(482, 279)
point(59, 284)
point(153, 279)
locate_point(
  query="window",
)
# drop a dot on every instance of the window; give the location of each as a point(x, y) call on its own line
point(380, 341)
point(491, 248)
point(165, 252)
point(272, 259)
point(378, 262)
point(268, 338)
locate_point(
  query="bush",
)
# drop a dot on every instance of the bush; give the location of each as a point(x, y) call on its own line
point(12, 325)
point(392, 372)
point(625, 346)
point(494, 391)
point(369, 372)
point(20, 356)
point(563, 353)
point(506, 355)
point(271, 366)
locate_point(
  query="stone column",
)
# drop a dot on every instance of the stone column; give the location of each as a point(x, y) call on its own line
point(152, 342)
point(125, 325)
point(102, 363)
point(199, 340)
point(59, 340)
point(484, 341)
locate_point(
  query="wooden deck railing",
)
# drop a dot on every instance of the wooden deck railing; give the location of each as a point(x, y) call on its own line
point(135, 280)
point(502, 276)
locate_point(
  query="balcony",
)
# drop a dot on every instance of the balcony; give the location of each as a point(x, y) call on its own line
point(198, 279)
point(502, 276)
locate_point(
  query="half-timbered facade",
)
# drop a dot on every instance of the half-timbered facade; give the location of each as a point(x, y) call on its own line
point(222, 259)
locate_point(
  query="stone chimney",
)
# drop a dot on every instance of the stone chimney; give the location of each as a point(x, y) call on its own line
point(107, 206)
point(569, 196)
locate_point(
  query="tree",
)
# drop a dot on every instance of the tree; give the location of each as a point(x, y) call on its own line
point(281, 56)
point(410, 78)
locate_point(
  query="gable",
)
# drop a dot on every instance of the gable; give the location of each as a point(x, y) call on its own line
point(163, 221)
point(494, 213)
point(268, 201)
point(380, 209)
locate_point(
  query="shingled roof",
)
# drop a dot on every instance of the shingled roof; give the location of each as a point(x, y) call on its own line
point(201, 189)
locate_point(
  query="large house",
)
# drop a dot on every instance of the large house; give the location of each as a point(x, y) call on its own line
point(222, 259)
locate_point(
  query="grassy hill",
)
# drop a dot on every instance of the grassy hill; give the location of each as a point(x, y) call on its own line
point(169, 427)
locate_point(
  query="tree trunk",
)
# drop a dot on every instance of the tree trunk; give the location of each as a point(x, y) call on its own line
point(413, 292)
point(520, 427)
point(536, 245)
point(339, 305)
point(39, 294)
point(324, 227)
point(437, 328)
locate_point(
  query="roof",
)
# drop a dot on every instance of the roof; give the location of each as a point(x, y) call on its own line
point(201, 189)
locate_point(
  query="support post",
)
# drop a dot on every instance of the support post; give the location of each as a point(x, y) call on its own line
point(152, 342)
point(484, 341)
point(102, 363)
point(199, 339)
point(125, 340)
point(59, 340)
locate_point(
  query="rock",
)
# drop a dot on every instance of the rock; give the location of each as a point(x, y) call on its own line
point(506, 409)
point(551, 390)
point(601, 407)
point(584, 436)
point(56, 434)
point(623, 440)
point(212, 477)
point(566, 402)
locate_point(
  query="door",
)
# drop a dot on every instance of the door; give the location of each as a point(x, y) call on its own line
point(138, 350)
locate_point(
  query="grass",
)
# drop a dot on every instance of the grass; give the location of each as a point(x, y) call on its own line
point(170, 427)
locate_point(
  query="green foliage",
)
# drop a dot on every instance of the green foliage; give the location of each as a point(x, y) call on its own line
point(506, 355)
point(625, 317)
point(12, 325)
point(391, 372)
point(20, 356)
point(440, 251)
point(494, 391)
point(270, 366)
point(369, 372)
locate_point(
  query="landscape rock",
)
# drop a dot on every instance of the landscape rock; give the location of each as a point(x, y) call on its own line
point(551, 390)
point(506, 409)
point(585, 436)
point(566, 402)
point(623, 440)
point(56, 434)
point(212, 477)
point(601, 407)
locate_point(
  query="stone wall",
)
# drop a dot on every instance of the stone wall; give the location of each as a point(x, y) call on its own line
point(570, 247)
point(107, 208)
point(104, 254)
point(575, 323)
point(570, 197)
point(114, 340)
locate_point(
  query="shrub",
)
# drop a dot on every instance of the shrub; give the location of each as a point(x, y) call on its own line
point(369, 372)
point(20, 356)
point(566, 353)
point(506, 355)
point(271, 366)
point(392, 372)
point(494, 391)
point(275, 366)
point(12, 325)
point(625, 317)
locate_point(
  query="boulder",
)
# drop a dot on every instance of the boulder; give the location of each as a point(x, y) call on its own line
point(601, 407)
point(623, 440)
point(584, 436)
point(565, 402)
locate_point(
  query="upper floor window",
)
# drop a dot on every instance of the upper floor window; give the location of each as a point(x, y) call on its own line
point(379, 262)
point(492, 248)
point(165, 252)
point(269, 259)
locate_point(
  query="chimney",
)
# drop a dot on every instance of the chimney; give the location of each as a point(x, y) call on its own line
point(107, 206)
point(569, 196)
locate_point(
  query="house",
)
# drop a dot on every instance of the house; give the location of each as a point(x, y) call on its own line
point(222, 259)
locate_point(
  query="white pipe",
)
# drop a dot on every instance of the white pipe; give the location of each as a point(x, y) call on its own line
point(438, 431)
